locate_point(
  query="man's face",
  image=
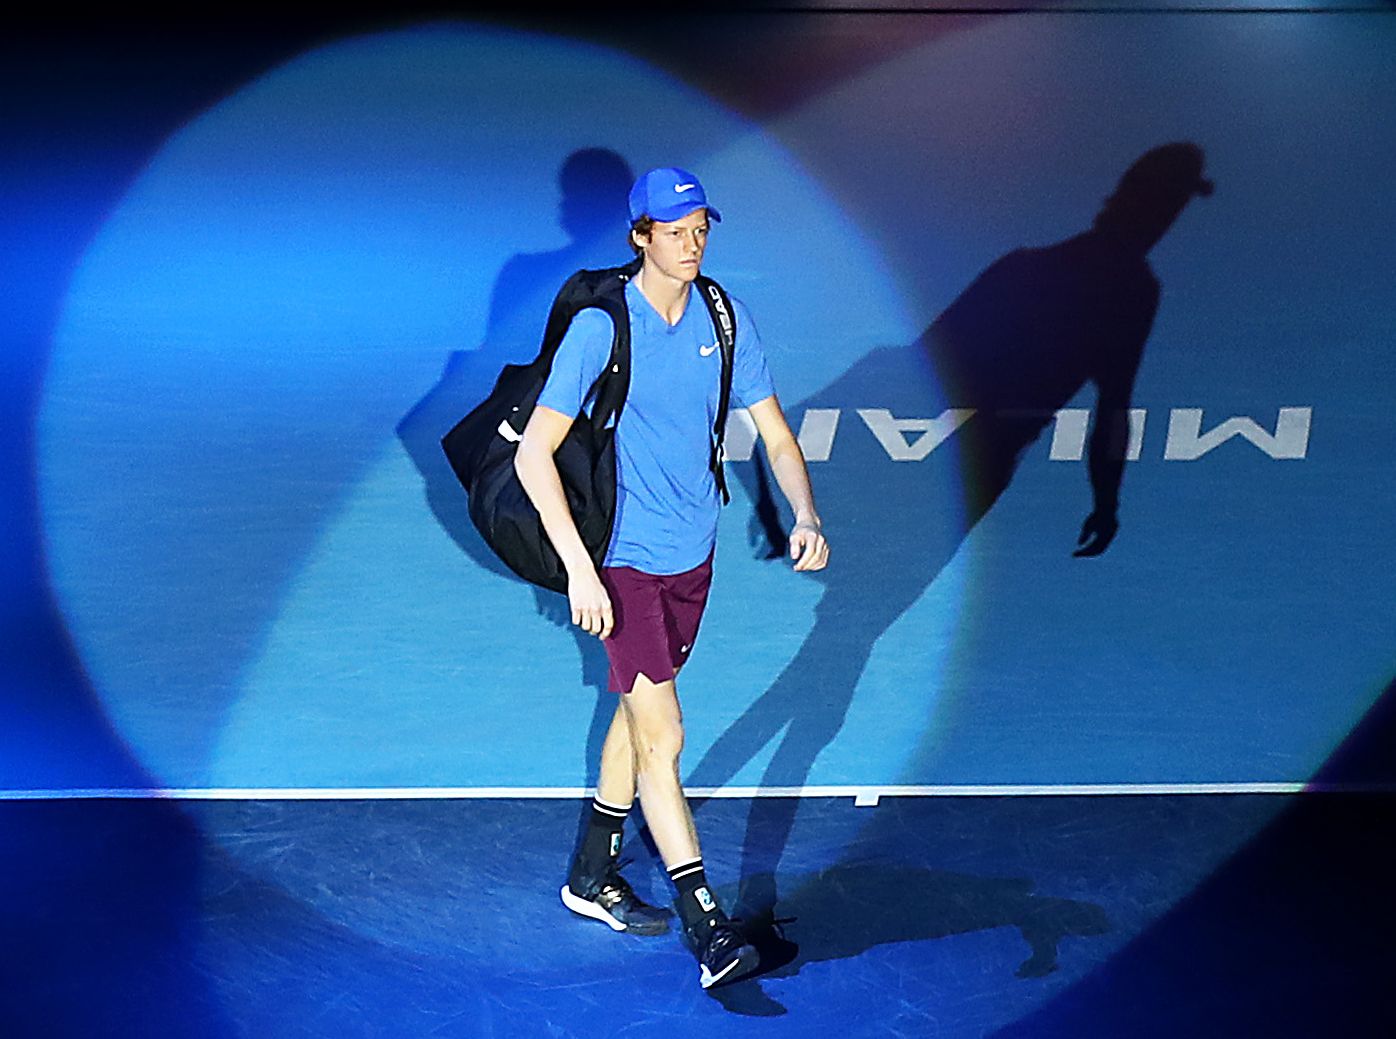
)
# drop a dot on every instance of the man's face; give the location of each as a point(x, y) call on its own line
point(677, 248)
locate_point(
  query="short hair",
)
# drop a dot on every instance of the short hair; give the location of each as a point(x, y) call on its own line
point(644, 226)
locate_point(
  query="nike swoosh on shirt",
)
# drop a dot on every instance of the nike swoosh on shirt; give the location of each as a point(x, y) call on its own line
point(707, 351)
point(684, 187)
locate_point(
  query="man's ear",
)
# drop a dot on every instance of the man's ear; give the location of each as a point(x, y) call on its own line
point(638, 242)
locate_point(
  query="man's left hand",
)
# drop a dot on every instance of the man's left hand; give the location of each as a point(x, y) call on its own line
point(808, 547)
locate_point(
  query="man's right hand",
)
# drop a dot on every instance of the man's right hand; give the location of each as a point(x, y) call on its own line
point(1097, 532)
point(591, 606)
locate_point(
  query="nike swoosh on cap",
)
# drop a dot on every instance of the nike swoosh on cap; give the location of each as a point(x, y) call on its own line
point(684, 187)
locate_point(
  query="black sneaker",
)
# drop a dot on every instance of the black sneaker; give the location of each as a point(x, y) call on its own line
point(609, 898)
point(724, 955)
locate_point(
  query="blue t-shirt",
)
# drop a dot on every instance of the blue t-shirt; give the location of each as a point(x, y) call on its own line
point(666, 498)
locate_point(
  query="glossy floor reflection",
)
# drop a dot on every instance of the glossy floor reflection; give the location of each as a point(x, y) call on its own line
point(1054, 916)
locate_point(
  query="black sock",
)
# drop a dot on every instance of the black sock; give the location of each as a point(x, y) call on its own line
point(601, 842)
point(698, 908)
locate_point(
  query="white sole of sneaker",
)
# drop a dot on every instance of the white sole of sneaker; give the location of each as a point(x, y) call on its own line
point(582, 907)
point(743, 964)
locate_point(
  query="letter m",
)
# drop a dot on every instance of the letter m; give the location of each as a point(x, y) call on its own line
point(1187, 442)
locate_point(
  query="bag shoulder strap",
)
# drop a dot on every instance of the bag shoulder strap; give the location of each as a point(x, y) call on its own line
point(603, 289)
point(724, 319)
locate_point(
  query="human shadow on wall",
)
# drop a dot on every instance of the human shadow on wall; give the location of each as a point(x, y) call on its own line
point(594, 184)
point(1016, 345)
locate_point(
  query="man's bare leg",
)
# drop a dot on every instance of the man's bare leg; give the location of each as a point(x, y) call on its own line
point(656, 735)
point(594, 885)
point(655, 723)
point(616, 782)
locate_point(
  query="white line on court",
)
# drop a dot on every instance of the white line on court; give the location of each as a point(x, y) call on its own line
point(862, 795)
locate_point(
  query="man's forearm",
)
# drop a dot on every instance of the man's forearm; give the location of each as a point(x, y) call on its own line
point(1105, 460)
point(792, 476)
point(538, 474)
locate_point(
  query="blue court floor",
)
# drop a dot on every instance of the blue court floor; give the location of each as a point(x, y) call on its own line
point(971, 916)
point(247, 263)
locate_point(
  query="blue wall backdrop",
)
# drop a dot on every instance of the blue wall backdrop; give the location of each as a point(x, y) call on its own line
point(228, 490)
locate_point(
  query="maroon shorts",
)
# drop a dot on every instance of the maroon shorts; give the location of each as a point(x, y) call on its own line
point(656, 621)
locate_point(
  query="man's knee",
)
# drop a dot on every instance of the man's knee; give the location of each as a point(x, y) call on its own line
point(656, 724)
point(659, 747)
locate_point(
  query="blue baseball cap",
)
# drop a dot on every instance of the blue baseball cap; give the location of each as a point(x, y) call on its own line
point(667, 194)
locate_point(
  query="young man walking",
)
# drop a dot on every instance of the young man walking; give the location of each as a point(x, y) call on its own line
point(646, 600)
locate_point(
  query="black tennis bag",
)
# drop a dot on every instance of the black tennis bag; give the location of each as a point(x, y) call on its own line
point(481, 446)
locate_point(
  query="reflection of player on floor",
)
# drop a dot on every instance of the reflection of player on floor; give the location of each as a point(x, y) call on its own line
point(648, 598)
